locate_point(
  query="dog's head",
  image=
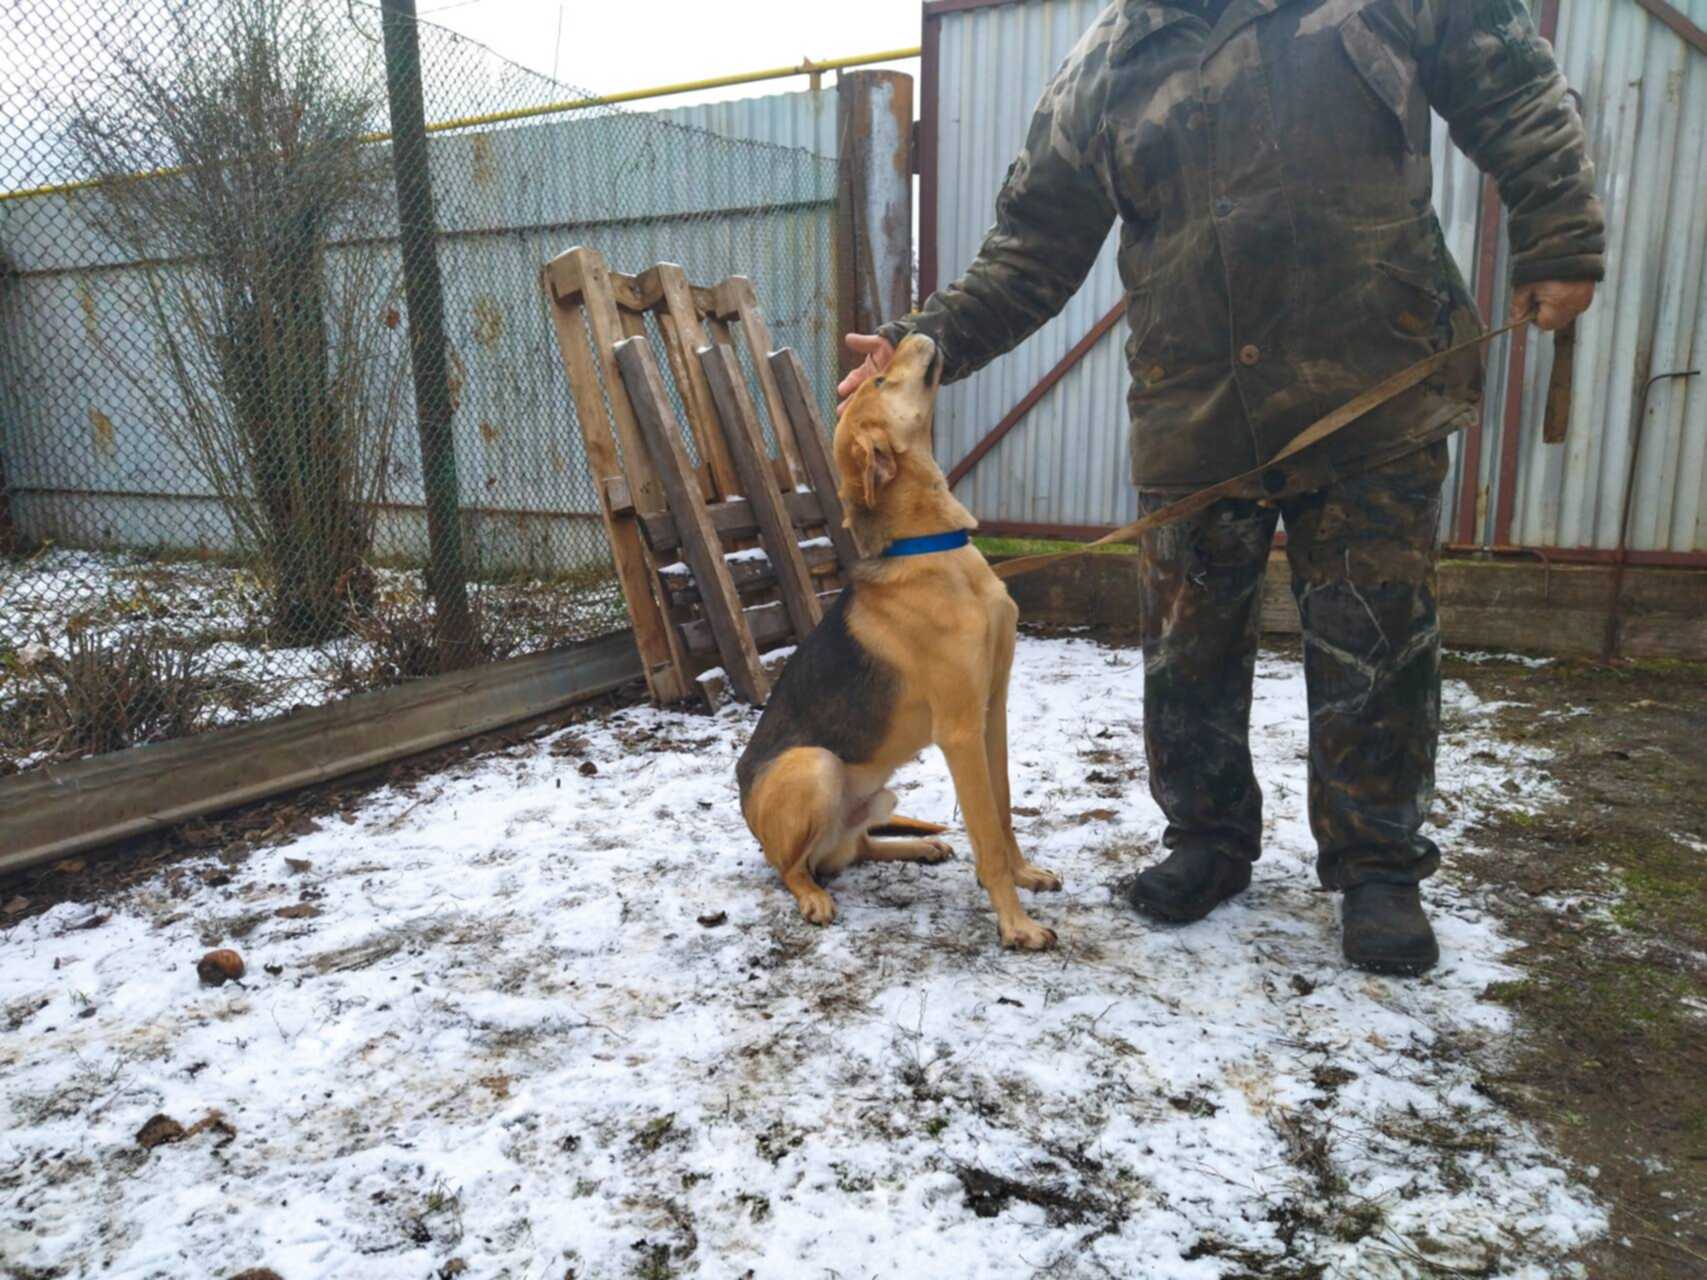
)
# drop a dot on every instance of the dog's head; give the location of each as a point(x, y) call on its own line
point(888, 419)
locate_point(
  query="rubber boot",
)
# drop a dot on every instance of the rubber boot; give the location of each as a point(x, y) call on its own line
point(1385, 930)
point(1190, 883)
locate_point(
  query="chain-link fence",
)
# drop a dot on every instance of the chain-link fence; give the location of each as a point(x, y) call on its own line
point(213, 505)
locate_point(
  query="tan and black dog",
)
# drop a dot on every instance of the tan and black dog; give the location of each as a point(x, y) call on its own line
point(916, 650)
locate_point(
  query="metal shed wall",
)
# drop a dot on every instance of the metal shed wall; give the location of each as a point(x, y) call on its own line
point(1644, 93)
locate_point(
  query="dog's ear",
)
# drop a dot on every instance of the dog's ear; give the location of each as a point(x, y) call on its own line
point(876, 453)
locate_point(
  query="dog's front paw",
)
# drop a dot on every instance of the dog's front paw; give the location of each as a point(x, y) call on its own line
point(1025, 934)
point(1037, 879)
point(937, 851)
point(817, 906)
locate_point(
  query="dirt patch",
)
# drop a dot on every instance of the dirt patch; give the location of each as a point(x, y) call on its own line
point(1604, 885)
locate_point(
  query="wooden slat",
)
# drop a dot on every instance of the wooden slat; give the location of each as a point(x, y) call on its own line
point(605, 320)
point(736, 294)
point(767, 623)
point(653, 634)
point(733, 520)
point(680, 322)
point(58, 810)
point(749, 575)
point(803, 418)
point(740, 420)
point(634, 326)
point(701, 548)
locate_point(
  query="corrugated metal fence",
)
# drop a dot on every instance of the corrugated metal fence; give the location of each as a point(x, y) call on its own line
point(1644, 99)
point(510, 198)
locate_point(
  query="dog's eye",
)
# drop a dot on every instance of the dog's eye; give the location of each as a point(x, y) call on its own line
point(881, 381)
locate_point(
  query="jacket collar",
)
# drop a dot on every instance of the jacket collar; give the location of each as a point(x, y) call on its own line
point(1141, 19)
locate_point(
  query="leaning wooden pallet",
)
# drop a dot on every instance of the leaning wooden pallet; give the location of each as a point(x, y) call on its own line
point(727, 542)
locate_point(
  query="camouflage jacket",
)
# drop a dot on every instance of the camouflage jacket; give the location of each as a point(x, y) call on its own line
point(1278, 242)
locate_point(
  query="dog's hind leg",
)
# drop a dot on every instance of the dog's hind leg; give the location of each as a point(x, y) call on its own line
point(795, 811)
point(903, 850)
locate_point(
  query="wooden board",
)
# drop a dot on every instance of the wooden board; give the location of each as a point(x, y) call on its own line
point(58, 810)
point(701, 548)
point(750, 575)
point(733, 519)
point(652, 632)
point(741, 429)
point(754, 490)
point(738, 301)
point(767, 623)
point(809, 434)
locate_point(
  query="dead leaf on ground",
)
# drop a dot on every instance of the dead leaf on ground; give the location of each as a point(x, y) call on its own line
point(70, 867)
point(299, 865)
point(715, 918)
point(160, 1130)
point(498, 1086)
point(216, 1123)
point(301, 911)
point(16, 907)
point(1095, 815)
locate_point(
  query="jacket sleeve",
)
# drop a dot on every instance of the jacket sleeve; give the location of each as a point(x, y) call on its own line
point(1494, 80)
point(1052, 217)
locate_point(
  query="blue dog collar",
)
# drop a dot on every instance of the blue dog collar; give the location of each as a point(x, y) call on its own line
point(952, 541)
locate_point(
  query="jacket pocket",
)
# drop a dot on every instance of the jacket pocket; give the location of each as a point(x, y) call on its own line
point(1143, 354)
point(1383, 73)
point(1418, 305)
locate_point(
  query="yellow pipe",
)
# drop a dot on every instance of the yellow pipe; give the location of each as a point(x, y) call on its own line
point(805, 68)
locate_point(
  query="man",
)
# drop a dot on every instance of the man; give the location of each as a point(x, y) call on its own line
point(1268, 161)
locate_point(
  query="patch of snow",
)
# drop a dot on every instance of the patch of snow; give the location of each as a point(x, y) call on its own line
point(748, 554)
point(550, 1020)
point(675, 569)
point(811, 543)
point(1492, 655)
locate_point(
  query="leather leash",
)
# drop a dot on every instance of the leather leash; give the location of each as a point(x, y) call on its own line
point(1242, 484)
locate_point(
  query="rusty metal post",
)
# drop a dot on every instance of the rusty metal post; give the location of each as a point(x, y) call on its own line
point(874, 200)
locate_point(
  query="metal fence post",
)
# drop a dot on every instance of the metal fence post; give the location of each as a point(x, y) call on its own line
point(446, 578)
point(874, 200)
point(8, 530)
point(9, 540)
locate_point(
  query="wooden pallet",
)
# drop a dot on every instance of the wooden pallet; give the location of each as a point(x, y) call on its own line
point(738, 552)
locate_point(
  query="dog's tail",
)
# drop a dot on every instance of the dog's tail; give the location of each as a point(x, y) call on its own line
point(897, 825)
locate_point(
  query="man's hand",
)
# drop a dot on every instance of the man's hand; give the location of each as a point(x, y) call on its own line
point(1553, 303)
point(878, 352)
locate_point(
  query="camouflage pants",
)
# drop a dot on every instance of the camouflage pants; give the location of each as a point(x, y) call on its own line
point(1363, 554)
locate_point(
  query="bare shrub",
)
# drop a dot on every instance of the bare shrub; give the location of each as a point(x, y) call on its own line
point(395, 640)
point(232, 163)
point(105, 696)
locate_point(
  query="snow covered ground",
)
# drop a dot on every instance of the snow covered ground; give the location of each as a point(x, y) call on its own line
point(550, 1015)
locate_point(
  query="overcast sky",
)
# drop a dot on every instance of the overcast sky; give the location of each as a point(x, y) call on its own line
point(636, 44)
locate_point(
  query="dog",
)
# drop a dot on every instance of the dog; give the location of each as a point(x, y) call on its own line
point(916, 650)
